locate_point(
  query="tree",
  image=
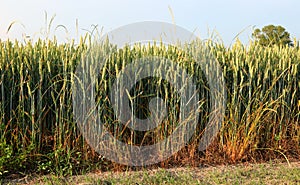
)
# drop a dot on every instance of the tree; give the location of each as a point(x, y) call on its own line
point(272, 35)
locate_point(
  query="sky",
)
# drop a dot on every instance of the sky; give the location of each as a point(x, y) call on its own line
point(222, 20)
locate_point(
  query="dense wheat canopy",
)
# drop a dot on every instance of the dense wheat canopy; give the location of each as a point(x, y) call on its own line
point(36, 116)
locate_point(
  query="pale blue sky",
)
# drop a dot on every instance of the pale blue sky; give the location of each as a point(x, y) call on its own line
point(228, 18)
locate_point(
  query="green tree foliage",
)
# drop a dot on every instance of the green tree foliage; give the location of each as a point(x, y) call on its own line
point(272, 35)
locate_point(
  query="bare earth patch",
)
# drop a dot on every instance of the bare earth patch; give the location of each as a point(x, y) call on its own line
point(265, 173)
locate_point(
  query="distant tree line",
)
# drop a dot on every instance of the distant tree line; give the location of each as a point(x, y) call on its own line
point(272, 35)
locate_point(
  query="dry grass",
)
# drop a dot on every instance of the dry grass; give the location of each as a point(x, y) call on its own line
point(264, 173)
